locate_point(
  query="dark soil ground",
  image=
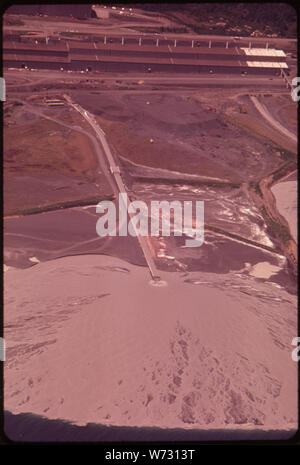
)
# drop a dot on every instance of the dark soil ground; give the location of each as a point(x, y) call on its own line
point(188, 136)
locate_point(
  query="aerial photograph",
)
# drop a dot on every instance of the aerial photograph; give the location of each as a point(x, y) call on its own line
point(150, 223)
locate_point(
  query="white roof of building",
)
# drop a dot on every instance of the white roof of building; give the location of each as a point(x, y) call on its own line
point(267, 52)
point(266, 64)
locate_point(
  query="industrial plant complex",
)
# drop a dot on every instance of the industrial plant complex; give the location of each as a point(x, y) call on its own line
point(119, 53)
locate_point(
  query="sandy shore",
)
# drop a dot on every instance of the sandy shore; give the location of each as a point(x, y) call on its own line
point(286, 200)
point(90, 340)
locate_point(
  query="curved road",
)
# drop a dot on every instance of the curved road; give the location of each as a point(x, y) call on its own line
point(265, 113)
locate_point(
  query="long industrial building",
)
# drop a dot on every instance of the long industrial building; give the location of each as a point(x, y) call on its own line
point(118, 57)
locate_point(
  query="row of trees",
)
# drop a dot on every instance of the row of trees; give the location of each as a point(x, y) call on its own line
point(281, 18)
